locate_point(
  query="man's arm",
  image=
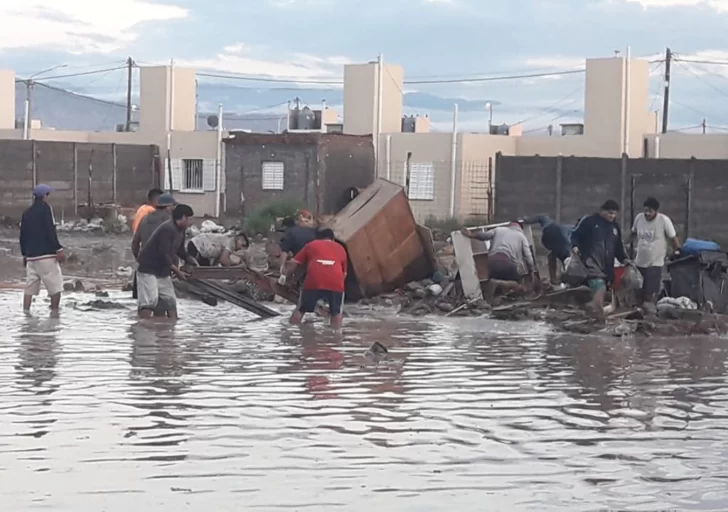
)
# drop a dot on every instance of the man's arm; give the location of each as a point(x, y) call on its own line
point(182, 254)
point(23, 238)
point(671, 233)
point(483, 236)
point(50, 231)
point(541, 220)
point(136, 244)
point(578, 236)
point(620, 251)
point(527, 255)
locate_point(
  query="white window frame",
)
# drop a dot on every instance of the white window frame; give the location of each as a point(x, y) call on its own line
point(272, 174)
point(190, 167)
point(421, 181)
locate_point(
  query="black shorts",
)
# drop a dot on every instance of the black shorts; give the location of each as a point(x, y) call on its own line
point(309, 299)
point(652, 280)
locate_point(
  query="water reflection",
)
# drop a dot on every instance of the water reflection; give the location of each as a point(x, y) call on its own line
point(101, 412)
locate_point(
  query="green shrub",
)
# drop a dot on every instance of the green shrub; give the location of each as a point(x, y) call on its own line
point(260, 221)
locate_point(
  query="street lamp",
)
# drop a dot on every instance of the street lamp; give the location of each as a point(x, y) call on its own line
point(489, 108)
point(28, 89)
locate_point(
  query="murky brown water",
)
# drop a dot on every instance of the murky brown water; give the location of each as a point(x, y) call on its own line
point(98, 412)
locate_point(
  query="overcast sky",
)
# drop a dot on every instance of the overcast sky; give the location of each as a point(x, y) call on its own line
point(312, 39)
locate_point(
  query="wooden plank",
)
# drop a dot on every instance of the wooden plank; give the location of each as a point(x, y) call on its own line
point(224, 292)
point(466, 266)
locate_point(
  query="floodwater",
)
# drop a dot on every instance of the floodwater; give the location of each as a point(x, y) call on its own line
point(101, 413)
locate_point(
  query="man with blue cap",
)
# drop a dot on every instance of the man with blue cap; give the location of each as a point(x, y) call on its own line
point(41, 250)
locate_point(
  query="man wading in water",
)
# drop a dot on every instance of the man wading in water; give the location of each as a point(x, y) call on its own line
point(158, 259)
point(41, 250)
point(326, 263)
point(597, 240)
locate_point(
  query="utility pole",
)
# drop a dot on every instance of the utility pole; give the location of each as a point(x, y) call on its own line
point(704, 126)
point(129, 78)
point(666, 95)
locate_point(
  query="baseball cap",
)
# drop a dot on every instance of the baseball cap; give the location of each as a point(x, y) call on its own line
point(166, 200)
point(41, 190)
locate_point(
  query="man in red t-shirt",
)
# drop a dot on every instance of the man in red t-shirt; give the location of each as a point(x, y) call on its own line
point(325, 261)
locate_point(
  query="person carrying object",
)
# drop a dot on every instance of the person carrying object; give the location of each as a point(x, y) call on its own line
point(295, 238)
point(653, 230)
point(158, 259)
point(326, 263)
point(149, 224)
point(597, 241)
point(556, 239)
point(510, 258)
point(41, 250)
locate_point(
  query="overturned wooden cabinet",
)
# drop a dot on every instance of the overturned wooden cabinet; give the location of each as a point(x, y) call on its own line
point(386, 247)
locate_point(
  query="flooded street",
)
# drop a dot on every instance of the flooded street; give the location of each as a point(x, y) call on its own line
point(102, 413)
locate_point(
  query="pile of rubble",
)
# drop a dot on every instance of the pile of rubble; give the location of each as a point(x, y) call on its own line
point(116, 225)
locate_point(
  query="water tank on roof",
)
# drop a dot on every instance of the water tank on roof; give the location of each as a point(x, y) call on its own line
point(408, 124)
point(306, 119)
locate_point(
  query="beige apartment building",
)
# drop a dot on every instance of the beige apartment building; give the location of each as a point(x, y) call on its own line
point(167, 118)
point(449, 174)
point(446, 174)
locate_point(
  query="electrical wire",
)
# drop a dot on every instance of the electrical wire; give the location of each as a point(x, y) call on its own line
point(82, 97)
point(696, 75)
point(71, 75)
point(406, 82)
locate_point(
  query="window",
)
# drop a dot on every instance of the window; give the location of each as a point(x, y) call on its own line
point(272, 175)
point(193, 174)
point(421, 181)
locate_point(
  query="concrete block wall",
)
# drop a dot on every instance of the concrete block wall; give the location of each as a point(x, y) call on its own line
point(66, 166)
point(691, 192)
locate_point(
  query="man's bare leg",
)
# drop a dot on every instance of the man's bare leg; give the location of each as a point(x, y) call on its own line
point(552, 269)
point(27, 302)
point(296, 318)
point(55, 302)
point(337, 321)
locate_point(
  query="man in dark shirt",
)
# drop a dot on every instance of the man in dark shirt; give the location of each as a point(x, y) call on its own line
point(556, 239)
point(158, 259)
point(597, 240)
point(294, 239)
point(41, 250)
point(151, 221)
point(165, 203)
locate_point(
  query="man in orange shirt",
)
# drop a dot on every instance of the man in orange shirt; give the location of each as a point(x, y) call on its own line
point(326, 266)
point(145, 209)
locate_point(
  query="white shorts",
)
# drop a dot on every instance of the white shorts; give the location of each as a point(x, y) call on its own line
point(46, 271)
point(151, 290)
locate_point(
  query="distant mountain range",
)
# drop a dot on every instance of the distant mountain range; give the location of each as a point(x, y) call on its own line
point(256, 109)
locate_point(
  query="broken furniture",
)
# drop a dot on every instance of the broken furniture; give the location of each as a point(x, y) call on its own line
point(702, 278)
point(204, 284)
point(472, 258)
point(386, 247)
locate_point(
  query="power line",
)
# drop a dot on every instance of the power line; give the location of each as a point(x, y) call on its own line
point(696, 75)
point(83, 97)
point(406, 82)
point(70, 75)
point(696, 61)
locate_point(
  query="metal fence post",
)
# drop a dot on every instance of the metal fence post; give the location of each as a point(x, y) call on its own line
point(559, 181)
point(689, 197)
point(113, 173)
point(75, 179)
point(34, 161)
point(623, 200)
